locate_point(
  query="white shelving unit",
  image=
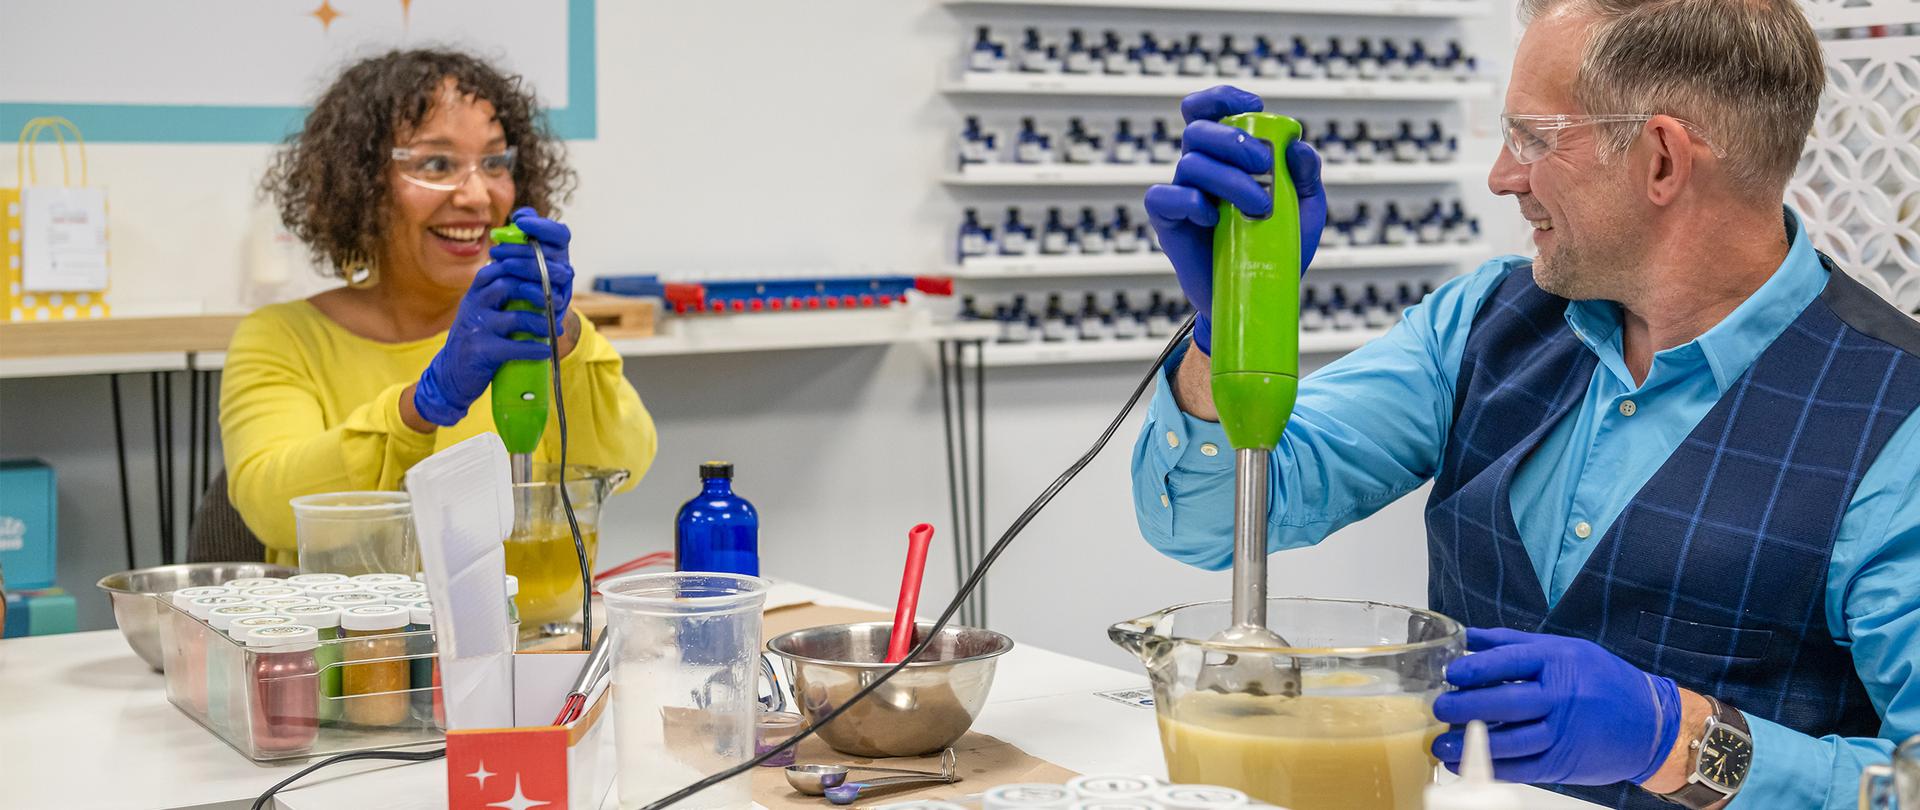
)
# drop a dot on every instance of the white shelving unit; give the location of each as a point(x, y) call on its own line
point(1054, 84)
point(1069, 175)
point(1357, 8)
point(996, 355)
point(1146, 264)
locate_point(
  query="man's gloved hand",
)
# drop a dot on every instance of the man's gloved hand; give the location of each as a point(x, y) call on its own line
point(518, 259)
point(1218, 163)
point(1559, 710)
point(478, 342)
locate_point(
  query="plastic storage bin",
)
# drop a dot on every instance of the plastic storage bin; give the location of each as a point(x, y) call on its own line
point(365, 694)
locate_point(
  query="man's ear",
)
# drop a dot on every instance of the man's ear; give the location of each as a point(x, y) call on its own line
point(1669, 159)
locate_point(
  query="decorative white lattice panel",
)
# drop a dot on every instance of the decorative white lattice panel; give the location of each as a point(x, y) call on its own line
point(1858, 184)
point(1850, 13)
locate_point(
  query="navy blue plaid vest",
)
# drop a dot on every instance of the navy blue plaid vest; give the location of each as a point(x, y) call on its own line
point(1715, 572)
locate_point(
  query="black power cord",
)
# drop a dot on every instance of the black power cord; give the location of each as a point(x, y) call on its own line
point(403, 756)
point(966, 589)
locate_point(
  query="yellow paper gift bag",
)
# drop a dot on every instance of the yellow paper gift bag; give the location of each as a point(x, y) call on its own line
point(20, 301)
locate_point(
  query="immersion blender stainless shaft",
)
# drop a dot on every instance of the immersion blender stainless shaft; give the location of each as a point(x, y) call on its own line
point(1250, 537)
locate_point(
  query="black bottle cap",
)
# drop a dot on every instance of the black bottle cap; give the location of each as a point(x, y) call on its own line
point(716, 469)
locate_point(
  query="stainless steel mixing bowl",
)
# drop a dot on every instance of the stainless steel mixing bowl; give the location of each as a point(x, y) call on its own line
point(922, 710)
point(138, 613)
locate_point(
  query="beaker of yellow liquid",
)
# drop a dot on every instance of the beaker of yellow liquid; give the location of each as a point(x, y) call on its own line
point(540, 551)
point(1357, 737)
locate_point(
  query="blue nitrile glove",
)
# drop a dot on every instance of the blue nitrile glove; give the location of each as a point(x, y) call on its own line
point(478, 342)
point(554, 238)
point(1219, 163)
point(1559, 710)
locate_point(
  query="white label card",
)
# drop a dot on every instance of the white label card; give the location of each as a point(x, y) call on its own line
point(63, 239)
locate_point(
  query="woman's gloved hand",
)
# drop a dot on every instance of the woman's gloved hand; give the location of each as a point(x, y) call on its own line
point(1559, 710)
point(1219, 163)
point(478, 342)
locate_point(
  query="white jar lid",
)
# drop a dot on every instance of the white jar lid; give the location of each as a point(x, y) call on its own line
point(288, 638)
point(1114, 786)
point(421, 613)
point(355, 599)
point(316, 615)
point(1028, 795)
point(204, 605)
point(513, 585)
point(374, 617)
point(397, 587)
point(376, 579)
point(326, 588)
point(1198, 797)
point(922, 804)
point(222, 617)
point(279, 602)
point(253, 582)
point(184, 595)
point(1114, 804)
point(239, 628)
point(271, 592)
point(408, 600)
point(315, 579)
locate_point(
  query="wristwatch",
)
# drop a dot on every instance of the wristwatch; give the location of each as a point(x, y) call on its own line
point(1722, 756)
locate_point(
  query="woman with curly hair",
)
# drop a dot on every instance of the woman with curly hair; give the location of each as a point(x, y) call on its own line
point(403, 166)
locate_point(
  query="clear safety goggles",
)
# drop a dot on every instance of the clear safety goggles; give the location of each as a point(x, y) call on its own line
point(440, 170)
point(1532, 137)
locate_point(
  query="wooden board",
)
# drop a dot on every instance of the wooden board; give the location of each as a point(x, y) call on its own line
point(617, 316)
point(198, 333)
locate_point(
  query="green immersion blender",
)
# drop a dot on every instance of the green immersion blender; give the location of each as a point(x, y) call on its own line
point(522, 389)
point(1256, 370)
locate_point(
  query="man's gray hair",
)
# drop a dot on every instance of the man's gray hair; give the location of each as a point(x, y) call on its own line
point(1748, 72)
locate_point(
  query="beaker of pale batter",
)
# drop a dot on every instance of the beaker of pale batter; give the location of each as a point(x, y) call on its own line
point(540, 551)
point(1359, 735)
point(686, 674)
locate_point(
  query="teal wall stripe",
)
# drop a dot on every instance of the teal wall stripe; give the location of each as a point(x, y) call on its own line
point(168, 123)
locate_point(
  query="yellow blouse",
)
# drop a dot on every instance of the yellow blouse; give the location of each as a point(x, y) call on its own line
point(308, 407)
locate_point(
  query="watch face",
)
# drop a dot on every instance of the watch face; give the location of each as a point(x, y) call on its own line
point(1725, 756)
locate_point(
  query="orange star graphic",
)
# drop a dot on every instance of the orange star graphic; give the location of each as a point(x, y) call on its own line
point(326, 14)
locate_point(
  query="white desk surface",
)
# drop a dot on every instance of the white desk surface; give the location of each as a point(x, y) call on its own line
point(88, 725)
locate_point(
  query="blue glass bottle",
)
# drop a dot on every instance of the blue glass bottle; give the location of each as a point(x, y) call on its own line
point(717, 531)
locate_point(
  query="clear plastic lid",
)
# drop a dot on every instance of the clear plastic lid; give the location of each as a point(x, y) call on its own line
point(199, 608)
point(289, 638)
point(253, 582)
point(421, 613)
point(184, 595)
point(374, 617)
point(316, 615)
point(222, 617)
point(315, 579)
point(377, 579)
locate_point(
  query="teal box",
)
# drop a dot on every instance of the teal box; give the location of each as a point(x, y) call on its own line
point(28, 509)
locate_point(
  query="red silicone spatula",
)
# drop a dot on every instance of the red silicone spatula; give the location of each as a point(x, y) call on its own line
point(902, 639)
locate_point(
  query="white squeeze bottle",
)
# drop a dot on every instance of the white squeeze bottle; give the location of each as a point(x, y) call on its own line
point(1476, 788)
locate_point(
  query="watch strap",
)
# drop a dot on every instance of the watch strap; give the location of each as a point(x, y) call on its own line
point(1698, 795)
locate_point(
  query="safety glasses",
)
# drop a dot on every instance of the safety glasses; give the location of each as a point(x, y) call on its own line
point(440, 170)
point(1532, 137)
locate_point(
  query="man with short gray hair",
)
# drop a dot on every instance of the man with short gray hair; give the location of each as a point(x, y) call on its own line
point(1676, 479)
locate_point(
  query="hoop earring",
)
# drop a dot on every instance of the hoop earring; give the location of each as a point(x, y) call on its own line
point(360, 272)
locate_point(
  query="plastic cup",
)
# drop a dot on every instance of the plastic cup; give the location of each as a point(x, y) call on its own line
point(355, 533)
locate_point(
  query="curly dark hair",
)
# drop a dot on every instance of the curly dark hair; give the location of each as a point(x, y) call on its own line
point(328, 180)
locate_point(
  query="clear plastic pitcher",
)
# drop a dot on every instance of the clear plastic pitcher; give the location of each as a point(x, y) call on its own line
point(355, 533)
point(686, 679)
point(540, 551)
point(1359, 735)
point(1894, 786)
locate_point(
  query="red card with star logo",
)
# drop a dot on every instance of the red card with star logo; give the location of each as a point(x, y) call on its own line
point(507, 768)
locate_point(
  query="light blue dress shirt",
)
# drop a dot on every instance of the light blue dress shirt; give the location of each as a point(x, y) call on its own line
point(1371, 427)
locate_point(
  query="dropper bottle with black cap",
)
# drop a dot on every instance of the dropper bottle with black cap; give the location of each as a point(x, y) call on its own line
point(718, 531)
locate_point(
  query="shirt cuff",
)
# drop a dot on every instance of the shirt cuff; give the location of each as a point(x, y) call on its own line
point(1181, 440)
point(1789, 769)
point(406, 442)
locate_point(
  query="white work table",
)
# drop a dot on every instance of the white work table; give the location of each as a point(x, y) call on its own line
point(88, 725)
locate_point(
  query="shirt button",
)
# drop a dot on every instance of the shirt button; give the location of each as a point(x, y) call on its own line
point(1209, 449)
point(1172, 440)
point(1163, 500)
point(1582, 530)
point(1627, 407)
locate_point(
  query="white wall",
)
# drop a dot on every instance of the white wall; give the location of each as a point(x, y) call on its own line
point(739, 136)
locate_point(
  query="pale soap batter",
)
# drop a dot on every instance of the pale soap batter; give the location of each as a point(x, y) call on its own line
point(1305, 753)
